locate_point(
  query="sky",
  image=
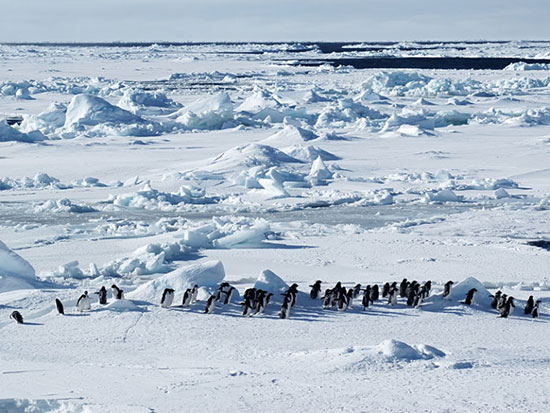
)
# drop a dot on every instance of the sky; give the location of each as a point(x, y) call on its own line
point(276, 20)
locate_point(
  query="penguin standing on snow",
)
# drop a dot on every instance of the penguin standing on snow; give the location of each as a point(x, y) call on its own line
point(495, 299)
point(315, 289)
point(535, 312)
point(83, 303)
point(428, 285)
point(59, 306)
point(530, 305)
point(447, 289)
point(356, 290)
point(16, 315)
point(210, 305)
point(374, 293)
point(507, 308)
point(221, 291)
point(167, 297)
point(248, 306)
point(285, 309)
point(403, 288)
point(366, 297)
point(118, 294)
point(470, 296)
point(194, 294)
point(228, 294)
point(327, 298)
point(392, 295)
point(187, 296)
point(261, 302)
point(501, 301)
point(102, 295)
point(385, 290)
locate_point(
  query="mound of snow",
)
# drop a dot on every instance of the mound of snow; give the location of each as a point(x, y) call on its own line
point(244, 237)
point(319, 172)
point(290, 135)
point(395, 350)
point(15, 272)
point(273, 185)
point(481, 297)
point(92, 110)
point(309, 153)
point(270, 282)
point(149, 198)
point(123, 306)
point(10, 134)
point(250, 155)
point(445, 195)
point(63, 205)
point(522, 66)
point(207, 274)
point(259, 100)
point(147, 102)
point(209, 113)
point(501, 193)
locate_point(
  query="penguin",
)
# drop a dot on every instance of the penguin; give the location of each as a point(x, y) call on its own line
point(315, 290)
point(392, 296)
point(118, 294)
point(228, 294)
point(418, 298)
point(16, 315)
point(535, 312)
point(501, 301)
point(248, 306)
point(342, 299)
point(421, 293)
point(447, 289)
point(327, 298)
point(374, 293)
point(285, 309)
point(260, 302)
point(210, 305)
point(366, 297)
point(428, 285)
point(194, 293)
point(529, 306)
point(292, 292)
point(470, 297)
point(59, 306)
point(102, 295)
point(187, 295)
point(221, 291)
point(83, 303)
point(411, 294)
point(356, 290)
point(385, 290)
point(167, 297)
point(507, 308)
point(495, 299)
point(403, 288)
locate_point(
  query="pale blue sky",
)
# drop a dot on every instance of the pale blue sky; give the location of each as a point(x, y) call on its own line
point(259, 20)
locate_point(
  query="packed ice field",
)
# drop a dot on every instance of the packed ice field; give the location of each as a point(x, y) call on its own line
point(154, 167)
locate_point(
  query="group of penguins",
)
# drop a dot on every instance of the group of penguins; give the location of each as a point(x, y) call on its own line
point(255, 300)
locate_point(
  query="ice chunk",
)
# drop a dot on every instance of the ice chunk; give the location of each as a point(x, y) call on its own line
point(482, 297)
point(15, 272)
point(92, 110)
point(319, 172)
point(270, 282)
point(207, 274)
point(244, 237)
point(8, 133)
point(399, 351)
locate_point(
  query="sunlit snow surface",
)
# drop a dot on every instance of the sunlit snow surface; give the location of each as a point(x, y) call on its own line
point(165, 166)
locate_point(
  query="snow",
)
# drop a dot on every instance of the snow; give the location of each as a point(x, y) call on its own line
point(165, 166)
point(207, 274)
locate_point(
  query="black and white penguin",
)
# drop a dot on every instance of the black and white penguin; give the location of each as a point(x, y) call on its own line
point(167, 297)
point(228, 294)
point(59, 306)
point(392, 295)
point(428, 285)
point(502, 301)
point(327, 298)
point(385, 290)
point(495, 299)
point(507, 308)
point(356, 290)
point(16, 315)
point(419, 297)
point(194, 293)
point(403, 288)
point(315, 290)
point(470, 297)
point(411, 294)
point(187, 296)
point(447, 289)
point(535, 312)
point(221, 291)
point(367, 297)
point(210, 305)
point(530, 305)
point(102, 295)
point(293, 291)
point(248, 306)
point(83, 303)
point(118, 294)
point(375, 293)
point(285, 309)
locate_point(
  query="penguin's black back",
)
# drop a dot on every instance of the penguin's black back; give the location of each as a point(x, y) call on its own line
point(59, 306)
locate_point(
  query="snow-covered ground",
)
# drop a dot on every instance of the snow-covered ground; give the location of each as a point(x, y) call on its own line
point(158, 166)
